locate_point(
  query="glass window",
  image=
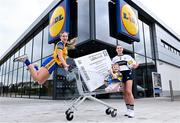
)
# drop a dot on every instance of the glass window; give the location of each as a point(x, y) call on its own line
point(20, 81)
point(5, 83)
point(47, 48)
point(37, 47)
point(14, 89)
point(2, 80)
point(7, 66)
point(102, 22)
point(20, 73)
point(11, 63)
point(1, 84)
point(0, 70)
point(140, 59)
point(10, 85)
point(10, 77)
point(140, 75)
point(148, 41)
point(139, 46)
point(14, 76)
point(26, 77)
point(21, 53)
point(150, 62)
point(126, 45)
point(16, 63)
point(6, 80)
point(150, 68)
point(83, 20)
point(26, 82)
point(29, 49)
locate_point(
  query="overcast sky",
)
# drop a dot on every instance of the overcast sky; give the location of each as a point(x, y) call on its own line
point(167, 11)
point(17, 15)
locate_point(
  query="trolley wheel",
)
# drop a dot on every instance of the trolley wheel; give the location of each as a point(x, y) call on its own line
point(108, 111)
point(114, 113)
point(69, 116)
point(67, 111)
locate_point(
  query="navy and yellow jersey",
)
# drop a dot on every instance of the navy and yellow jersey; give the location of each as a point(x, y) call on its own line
point(119, 76)
point(52, 62)
point(62, 48)
point(111, 79)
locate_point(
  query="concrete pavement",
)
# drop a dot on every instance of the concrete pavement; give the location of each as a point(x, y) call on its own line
point(147, 110)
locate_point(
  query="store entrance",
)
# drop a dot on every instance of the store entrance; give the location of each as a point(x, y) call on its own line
point(143, 77)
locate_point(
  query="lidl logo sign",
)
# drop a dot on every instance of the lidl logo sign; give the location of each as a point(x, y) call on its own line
point(123, 22)
point(129, 20)
point(57, 21)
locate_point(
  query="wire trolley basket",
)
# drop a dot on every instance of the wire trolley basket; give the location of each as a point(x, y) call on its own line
point(84, 94)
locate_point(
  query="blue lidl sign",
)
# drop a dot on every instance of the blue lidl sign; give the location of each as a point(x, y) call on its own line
point(126, 19)
point(59, 21)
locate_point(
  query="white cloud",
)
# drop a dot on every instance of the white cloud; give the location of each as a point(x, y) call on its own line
point(167, 11)
point(16, 17)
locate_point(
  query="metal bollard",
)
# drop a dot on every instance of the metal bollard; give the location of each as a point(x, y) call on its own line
point(171, 90)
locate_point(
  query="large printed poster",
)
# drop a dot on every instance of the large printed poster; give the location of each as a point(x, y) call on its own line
point(93, 68)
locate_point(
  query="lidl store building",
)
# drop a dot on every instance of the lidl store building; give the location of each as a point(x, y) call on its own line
point(99, 25)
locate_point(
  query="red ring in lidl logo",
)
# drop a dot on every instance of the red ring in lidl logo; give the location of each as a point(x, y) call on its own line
point(129, 20)
point(57, 21)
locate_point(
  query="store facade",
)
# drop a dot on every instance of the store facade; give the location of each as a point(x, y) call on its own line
point(90, 21)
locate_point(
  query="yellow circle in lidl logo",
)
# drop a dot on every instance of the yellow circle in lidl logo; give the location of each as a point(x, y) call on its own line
point(57, 21)
point(129, 19)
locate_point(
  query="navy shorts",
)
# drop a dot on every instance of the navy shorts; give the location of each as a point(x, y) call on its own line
point(50, 64)
point(127, 75)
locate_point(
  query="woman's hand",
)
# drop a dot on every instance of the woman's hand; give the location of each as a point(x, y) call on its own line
point(72, 43)
point(66, 67)
point(134, 66)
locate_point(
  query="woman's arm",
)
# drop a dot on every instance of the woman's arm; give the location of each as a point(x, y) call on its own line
point(72, 43)
point(60, 56)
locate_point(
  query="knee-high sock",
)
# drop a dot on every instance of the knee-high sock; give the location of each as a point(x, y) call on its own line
point(27, 62)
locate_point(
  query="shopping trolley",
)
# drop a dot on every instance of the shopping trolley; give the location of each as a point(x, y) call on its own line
point(84, 93)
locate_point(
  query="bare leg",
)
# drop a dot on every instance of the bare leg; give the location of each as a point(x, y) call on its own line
point(128, 96)
point(129, 99)
point(40, 76)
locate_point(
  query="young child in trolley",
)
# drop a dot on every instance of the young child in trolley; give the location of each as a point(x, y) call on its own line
point(114, 80)
point(51, 63)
